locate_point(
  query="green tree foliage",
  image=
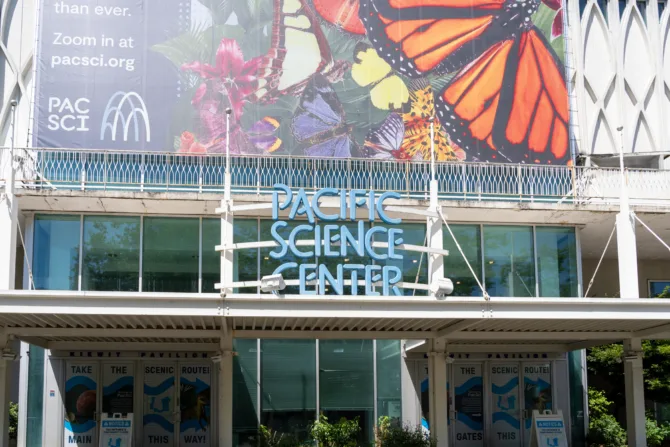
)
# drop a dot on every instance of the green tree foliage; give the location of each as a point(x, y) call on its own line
point(604, 429)
point(344, 433)
point(606, 369)
point(13, 419)
point(396, 435)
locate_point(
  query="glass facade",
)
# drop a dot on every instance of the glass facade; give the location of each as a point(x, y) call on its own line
point(111, 250)
point(178, 255)
point(557, 261)
point(455, 268)
point(211, 259)
point(171, 252)
point(346, 382)
point(245, 391)
point(296, 380)
point(389, 396)
point(577, 374)
point(509, 261)
point(35, 407)
point(56, 252)
point(288, 385)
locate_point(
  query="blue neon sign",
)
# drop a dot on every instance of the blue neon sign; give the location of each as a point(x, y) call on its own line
point(333, 240)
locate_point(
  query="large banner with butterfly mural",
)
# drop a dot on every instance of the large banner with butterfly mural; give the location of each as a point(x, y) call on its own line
point(315, 78)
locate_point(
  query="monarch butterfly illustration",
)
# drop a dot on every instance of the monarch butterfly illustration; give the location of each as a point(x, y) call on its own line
point(341, 13)
point(508, 100)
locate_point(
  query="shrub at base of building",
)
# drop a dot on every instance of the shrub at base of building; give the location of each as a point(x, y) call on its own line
point(345, 433)
point(605, 430)
point(396, 435)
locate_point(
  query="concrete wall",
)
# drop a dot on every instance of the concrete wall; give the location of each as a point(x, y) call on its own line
point(606, 283)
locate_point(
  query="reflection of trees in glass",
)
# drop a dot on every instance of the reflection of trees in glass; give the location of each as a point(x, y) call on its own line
point(246, 261)
point(455, 268)
point(56, 252)
point(557, 261)
point(509, 263)
point(111, 253)
point(170, 261)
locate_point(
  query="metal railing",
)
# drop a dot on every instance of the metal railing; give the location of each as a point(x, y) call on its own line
point(87, 170)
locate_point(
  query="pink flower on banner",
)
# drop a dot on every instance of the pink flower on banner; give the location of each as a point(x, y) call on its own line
point(231, 76)
point(557, 24)
point(189, 145)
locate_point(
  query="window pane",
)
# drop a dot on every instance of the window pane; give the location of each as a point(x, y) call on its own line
point(211, 259)
point(288, 383)
point(388, 379)
point(658, 288)
point(56, 252)
point(455, 268)
point(111, 253)
point(170, 255)
point(245, 391)
point(414, 265)
point(245, 262)
point(346, 383)
point(557, 261)
point(510, 268)
point(576, 373)
point(35, 396)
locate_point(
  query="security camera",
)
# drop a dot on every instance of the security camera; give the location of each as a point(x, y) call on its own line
point(14, 103)
point(442, 287)
point(229, 111)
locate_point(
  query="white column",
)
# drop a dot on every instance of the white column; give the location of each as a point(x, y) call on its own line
point(434, 239)
point(227, 256)
point(635, 417)
point(627, 254)
point(9, 211)
point(437, 383)
point(225, 392)
point(5, 383)
point(23, 395)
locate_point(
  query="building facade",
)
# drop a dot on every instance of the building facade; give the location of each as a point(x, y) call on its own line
point(221, 216)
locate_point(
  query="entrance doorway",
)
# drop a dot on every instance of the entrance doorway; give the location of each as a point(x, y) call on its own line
point(511, 405)
point(487, 405)
point(172, 410)
point(83, 401)
point(176, 404)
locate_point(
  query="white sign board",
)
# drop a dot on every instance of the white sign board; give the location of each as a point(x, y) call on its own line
point(116, 431)
point(548, 430)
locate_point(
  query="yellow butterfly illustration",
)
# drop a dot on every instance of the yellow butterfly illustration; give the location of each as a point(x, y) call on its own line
point(388, 91)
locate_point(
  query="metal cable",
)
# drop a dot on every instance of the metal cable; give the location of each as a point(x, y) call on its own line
point(652, 232)
point(599, 262)
point(479, 283)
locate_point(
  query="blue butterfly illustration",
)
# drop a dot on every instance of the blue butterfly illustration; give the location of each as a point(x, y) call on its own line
point(319, 126)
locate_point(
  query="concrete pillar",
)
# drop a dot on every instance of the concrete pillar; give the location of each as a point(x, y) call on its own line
point(434, 239)
point(225, 392)
point(23, 394)
point(437, 384)
point(9, 211)
point(627, 254)
point(7, 356)
point(227, 256)
point(635, 417)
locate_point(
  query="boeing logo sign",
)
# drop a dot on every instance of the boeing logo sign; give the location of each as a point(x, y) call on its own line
point(123, 108)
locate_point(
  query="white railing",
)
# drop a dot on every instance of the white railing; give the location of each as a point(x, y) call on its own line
point(84, 170)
